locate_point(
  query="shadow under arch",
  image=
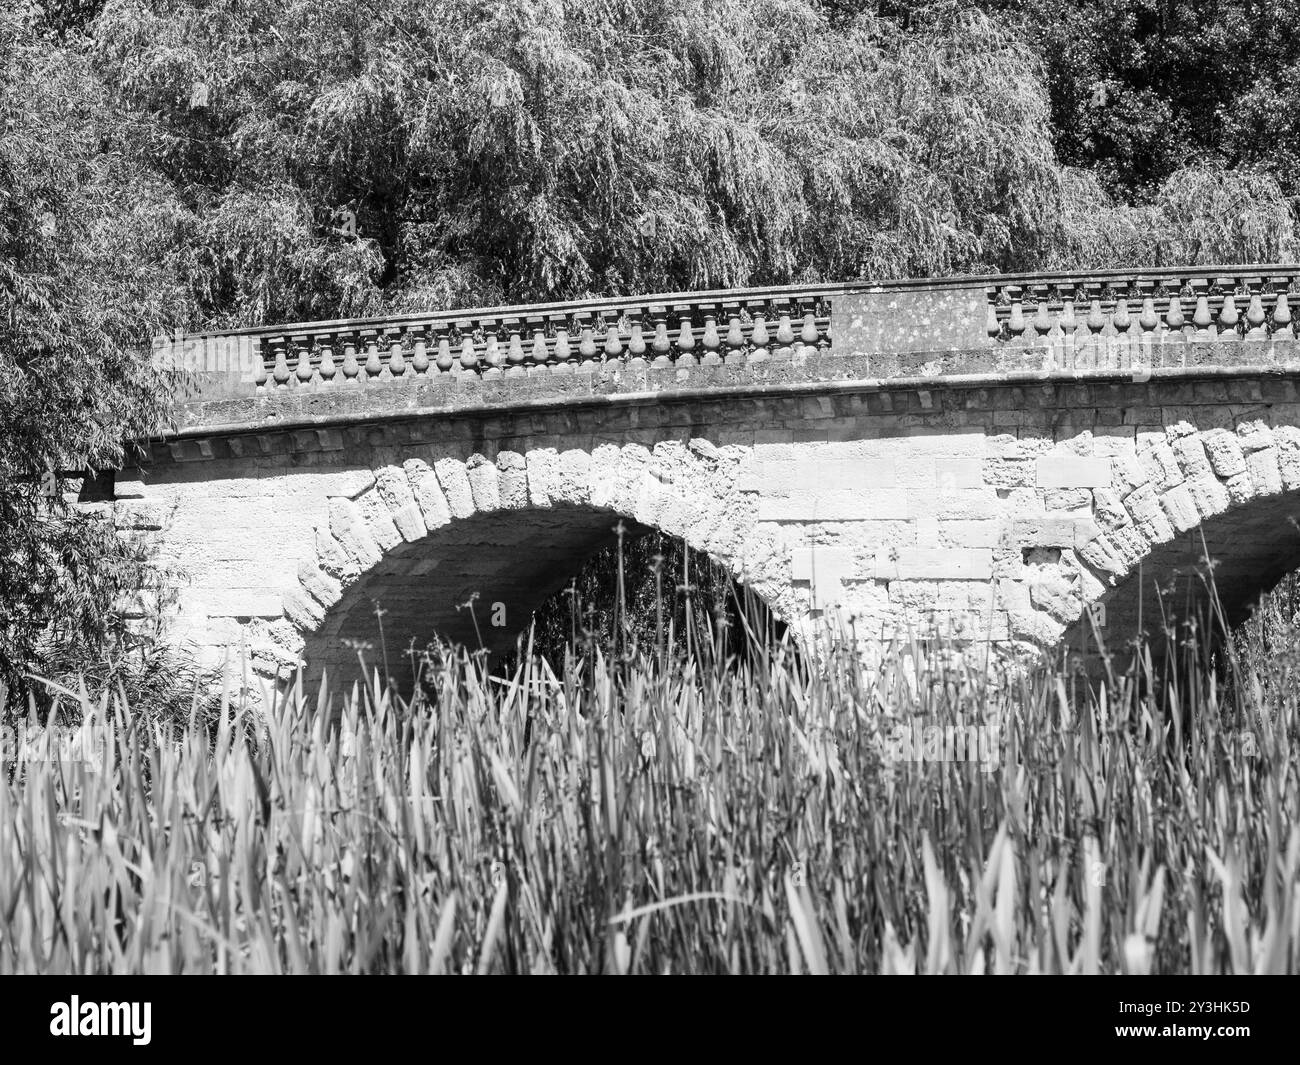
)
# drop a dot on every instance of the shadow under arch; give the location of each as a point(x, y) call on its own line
point(1234, 557)
point(652, 594)
point(476, 581)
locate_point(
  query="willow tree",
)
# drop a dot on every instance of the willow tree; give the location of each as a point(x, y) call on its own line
point(338, 158)
point(83, 279)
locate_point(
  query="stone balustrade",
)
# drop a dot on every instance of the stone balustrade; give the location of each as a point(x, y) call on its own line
point(717, 329)
point(1174, 306)
point(1004, 324)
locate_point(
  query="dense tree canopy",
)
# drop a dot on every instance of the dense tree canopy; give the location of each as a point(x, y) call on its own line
point(508, 151)
point(336, 159)
point(84, 275)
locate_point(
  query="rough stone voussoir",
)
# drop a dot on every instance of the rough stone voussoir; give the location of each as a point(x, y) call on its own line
point(325, 589)
point(484, 483)
point(427, 492)
point(1255, 435)
point(1287, 439)
point(1224, 451)
point(1209, 493)
point(303, 610)
point(379, 521)
point(394, 488)
point(1102, 556)
point(1191, 456)
point(1162, 466)
point(1265, 472)
point(1241, 488)
point(349, 528)
point(1180, 508)
point(454, 479)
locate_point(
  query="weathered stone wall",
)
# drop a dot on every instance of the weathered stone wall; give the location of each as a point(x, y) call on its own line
point(991, 511)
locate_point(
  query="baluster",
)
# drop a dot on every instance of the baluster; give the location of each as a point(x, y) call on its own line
point(1088, 353)
point(735, 355)
point(809, 335)
point(1255, 318)
point(1042, 325)
point(396, 359)
point(613, 345)
point(419, 352)
point(1121, 321)
point(1282, 316)
point(1202, 319)
point(587, 347)
point(784, 338)
point(259, 371)
point(1043, 321)
point(686, 342)
point(1148, 323)
point(444, 358)
point(759, 338)
point(302, 353)
point(1016, 323)
point(1069, 333)
point(661, 345)
point(351, 368)
point(281, 371)
point(1229, 316)
point(1148, 319)
point(327, 367)
point(993, 325)
point(636, 347)
point(1096, 319)
point(563, 351)
point(711, 342)
point(493, 356)
point(515, 351)
point(374, 364)
point(1174, 317)
point(540, 352)
point(468, 353)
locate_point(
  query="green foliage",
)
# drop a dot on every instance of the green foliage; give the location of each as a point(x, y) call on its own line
point(85, 238)
point(1143, 88)
point(520, 151)
point(1199, 216)
point(336, 160)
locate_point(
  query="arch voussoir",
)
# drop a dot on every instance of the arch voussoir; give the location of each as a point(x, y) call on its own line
point(1216, 489)
point(427, 492)
point(460, 526)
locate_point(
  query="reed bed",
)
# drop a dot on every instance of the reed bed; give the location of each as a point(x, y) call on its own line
point(655, 813)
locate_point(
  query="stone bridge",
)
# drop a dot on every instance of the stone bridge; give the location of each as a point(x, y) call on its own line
point(978, 458)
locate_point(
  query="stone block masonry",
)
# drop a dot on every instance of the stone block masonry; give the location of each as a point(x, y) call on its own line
point(845, 468)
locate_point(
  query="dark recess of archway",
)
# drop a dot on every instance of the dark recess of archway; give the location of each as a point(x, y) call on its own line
point(1203, 584)
point(447, 587)
point(668, 599)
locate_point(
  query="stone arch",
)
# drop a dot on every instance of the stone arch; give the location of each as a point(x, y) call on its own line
point(1228, 494)
point(992, 515)
point(502, 529)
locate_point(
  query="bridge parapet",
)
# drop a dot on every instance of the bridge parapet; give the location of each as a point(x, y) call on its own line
point(732, 328)
point(973, 332)
point(1178, 306)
